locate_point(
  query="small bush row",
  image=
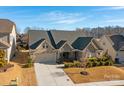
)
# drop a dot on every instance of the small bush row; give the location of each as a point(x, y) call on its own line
point(101, 63)
point(72, 64)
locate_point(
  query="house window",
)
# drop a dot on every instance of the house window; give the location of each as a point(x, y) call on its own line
point(46, 46)
point(43, 46)
point(117, 60)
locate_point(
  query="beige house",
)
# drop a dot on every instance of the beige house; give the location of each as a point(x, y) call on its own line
point(8, 38)
point(114, 45)
point(59, 46)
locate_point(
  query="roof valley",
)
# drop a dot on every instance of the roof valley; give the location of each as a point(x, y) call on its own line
point(51, 39)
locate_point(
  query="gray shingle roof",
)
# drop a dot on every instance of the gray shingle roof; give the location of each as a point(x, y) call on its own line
point(69, 36)
point(81, 42)
point(51, 39)
point(117, 40)
point(36, 44)
point(58, 38)
point(6, 26)
point(35, 35)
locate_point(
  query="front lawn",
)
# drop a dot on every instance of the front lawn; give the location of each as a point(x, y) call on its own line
point(101, 73)
point(11, 74)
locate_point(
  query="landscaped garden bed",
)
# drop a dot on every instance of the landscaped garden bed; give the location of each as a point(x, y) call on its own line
point(6, 67)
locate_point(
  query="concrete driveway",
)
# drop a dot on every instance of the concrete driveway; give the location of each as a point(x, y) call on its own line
point(51, 74)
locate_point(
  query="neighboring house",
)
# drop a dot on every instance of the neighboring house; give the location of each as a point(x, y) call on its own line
point(114, 46)
point(22, 40)
point(62, 46)
point(8, 38)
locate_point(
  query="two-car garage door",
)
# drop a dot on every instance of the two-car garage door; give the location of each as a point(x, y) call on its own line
point(46, 58)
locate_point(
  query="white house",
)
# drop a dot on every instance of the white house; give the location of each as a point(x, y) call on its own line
point(8, 38)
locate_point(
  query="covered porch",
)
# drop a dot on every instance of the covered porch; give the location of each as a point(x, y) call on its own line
point(67, 53)
point(68, 56)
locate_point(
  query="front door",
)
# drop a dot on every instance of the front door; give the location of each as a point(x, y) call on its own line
point(76, 55)
point(66, 55)
point(117, 60)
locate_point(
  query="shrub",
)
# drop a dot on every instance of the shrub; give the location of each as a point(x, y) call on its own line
point(77, 64)
point(92, 59)
point(72, 64)
point(110, 62)
point(103, 63)
point(89, 64)
point(66, 65)
point(29, 63)
point(98, 63)
point(106, 63)
point(1, 64)
point(105, 60)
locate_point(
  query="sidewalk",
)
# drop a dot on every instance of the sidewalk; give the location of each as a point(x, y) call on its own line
point(103, 83)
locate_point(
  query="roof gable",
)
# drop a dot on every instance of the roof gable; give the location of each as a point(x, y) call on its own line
point(60, 44)
point(97, 44)
point(35, 35)
point(36, 44)
point(118, 41)
point(81, 42)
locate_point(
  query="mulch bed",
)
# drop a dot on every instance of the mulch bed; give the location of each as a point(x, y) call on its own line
point(4, 68)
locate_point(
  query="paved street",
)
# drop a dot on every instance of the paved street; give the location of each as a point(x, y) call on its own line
point(51, 75)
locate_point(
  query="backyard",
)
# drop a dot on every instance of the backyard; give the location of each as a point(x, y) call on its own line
point(95, 74)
